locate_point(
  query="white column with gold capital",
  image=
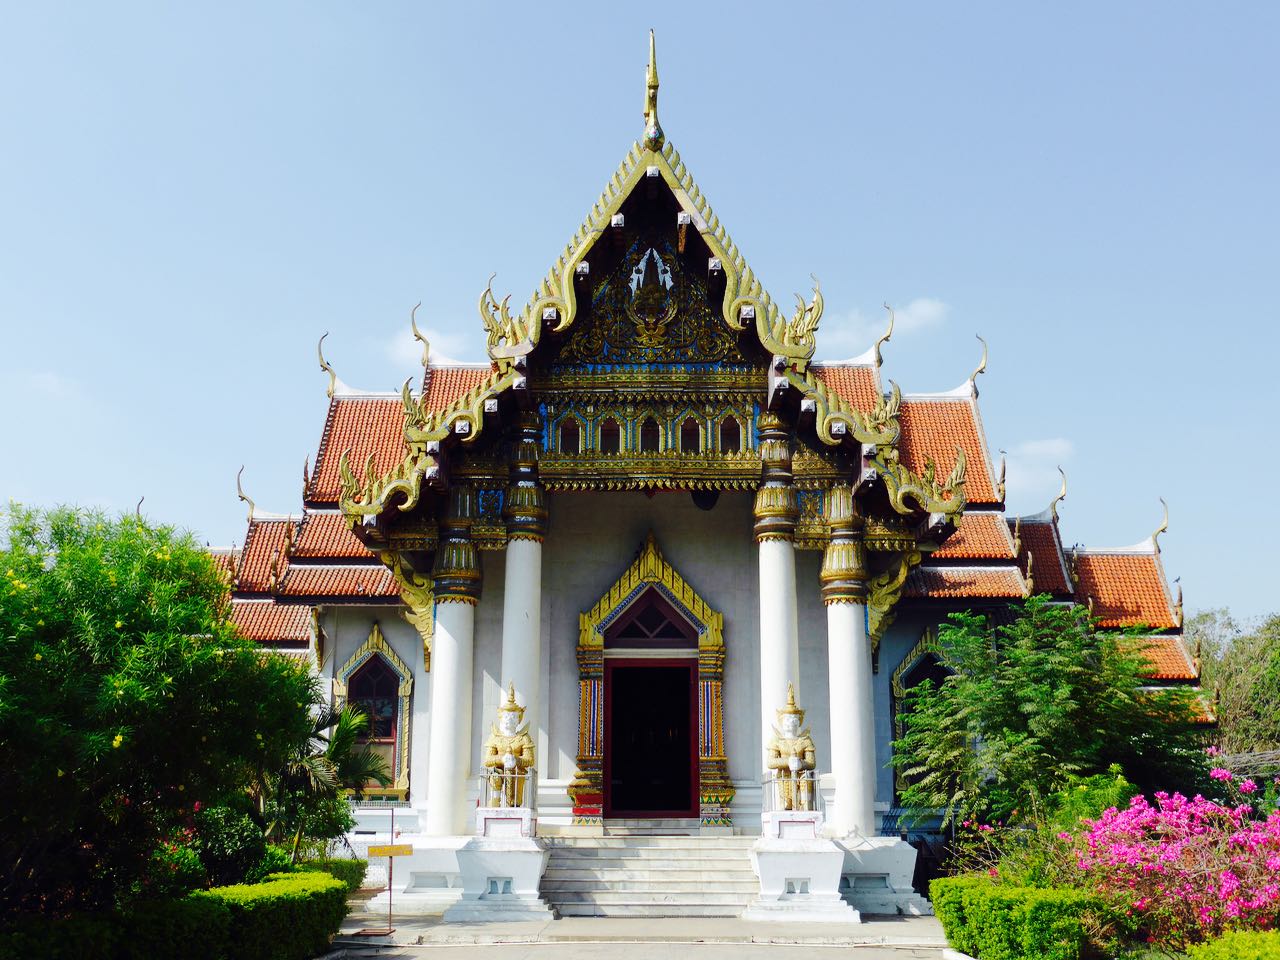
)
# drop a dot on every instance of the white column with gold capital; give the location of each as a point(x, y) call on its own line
point(775, 524)
point(853, 745)
point(525, 511)
point(457, 588)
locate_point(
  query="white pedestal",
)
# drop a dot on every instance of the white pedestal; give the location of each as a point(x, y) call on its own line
point(791, 824)
point(426, 882)
point(876, 876)
point(505, 822)
point(799, 881)
point(500, 877)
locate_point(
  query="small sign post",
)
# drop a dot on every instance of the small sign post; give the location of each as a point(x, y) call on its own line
point(390, 851)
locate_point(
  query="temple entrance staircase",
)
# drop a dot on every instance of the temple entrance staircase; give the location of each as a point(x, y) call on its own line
point(649, 868)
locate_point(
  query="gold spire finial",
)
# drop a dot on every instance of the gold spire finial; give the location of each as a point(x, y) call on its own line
point(242, 495)
point(653, 135)
point(1062, 495)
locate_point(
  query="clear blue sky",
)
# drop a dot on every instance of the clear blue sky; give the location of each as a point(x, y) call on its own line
point(190, 195)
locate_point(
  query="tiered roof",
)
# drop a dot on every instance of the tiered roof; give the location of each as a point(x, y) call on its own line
point(288, 565)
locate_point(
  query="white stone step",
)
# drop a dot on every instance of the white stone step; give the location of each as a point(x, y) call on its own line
point(655, 840)
point(657, 898)
point(647, 910)
point(748, 886)
point(666, 875)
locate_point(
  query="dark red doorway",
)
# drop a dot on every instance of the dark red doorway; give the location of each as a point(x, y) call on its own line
point(651, 750)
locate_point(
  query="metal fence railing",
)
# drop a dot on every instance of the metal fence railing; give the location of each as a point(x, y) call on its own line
point(507, 788)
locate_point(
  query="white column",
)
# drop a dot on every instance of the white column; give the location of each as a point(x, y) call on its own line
point(779, 633)
point(449, 750)
point(853, 742)
point(521, 626)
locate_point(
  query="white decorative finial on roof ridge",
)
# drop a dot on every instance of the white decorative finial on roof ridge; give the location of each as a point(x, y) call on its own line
point(244, 498)
point(981, 368)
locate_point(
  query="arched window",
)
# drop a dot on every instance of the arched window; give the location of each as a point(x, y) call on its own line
point(730, 436)
point(375, 689)
point(610, 436)
point(570, 436)
point(650, 436)
point(690, 438)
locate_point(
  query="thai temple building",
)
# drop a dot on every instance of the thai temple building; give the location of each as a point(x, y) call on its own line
point(670, 542)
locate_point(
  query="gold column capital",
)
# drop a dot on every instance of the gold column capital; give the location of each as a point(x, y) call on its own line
point(457, 565)
point(525, 504)
point(776, 509)
point(844, 562)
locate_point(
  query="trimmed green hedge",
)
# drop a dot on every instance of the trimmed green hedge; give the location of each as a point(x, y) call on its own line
point(291, 916)
point(994, 922)
point(350, 872)
point(1240, 945)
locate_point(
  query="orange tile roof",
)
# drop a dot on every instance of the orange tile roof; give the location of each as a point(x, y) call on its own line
point(227, 561)
point(1127, 589)
point(270, 622)
point(327, 535)
point(363, 425)
point(981, 535)
point(1040, 540)
point(977, 582)
point(339, 582)
point(446, 384)
point(856, 385)
point(1168, 658)
point(934, 428)
point(264, 541)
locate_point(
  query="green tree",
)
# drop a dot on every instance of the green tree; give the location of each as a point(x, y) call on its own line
point(1241, 665)
point(1030, 703)
point(126, 697)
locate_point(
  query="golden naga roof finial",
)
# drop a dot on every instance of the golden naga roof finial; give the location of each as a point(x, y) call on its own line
point(1062, 495)
point(981, 368)
point(244, 498)
point(1163, 528)
point(324, 365)
point(884, 338)
point(137, 511)
point(653, 135)
point(417, 334)
point(1000, 488)
point(306, 476)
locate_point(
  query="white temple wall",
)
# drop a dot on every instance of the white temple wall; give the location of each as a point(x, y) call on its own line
point(592, 539)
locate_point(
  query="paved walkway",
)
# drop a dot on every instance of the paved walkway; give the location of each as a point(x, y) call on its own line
point(694, 938)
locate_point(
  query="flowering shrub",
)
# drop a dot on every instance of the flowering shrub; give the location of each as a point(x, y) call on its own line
point(1185, 869)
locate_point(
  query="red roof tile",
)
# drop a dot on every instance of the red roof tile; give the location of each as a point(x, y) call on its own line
point(339, 582)
point(363, 425)
point(227, 561)
point(1127, 589)
point(977, 582)
point(1168, 658)
point(264, 542)
point(446, 384)
point(934, 428)
point(270, 622)
point(981, 535)
point(1041, 541)
point(855, 385)
point(328, 535)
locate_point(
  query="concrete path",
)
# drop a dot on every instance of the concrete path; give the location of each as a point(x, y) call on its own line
point(877, 938)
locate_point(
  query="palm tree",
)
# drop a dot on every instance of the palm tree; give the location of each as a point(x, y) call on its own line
point(331, 759)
